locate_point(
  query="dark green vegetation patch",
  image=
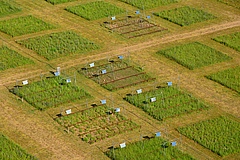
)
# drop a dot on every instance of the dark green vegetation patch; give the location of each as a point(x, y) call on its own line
point(60, 44)
point(185, 16)
point(50, 92)
point(59, 1)
point(194, 55)
point(11, 59)
point(221, 135)
point(146, 4)
point(23, 25)
point(95, 10)
point(153, 149)
point(7, 8)
point(234, 3)
point(96, 123)
point(169, 102)
point(11, 151)
point(231, 40)
point(229, 78)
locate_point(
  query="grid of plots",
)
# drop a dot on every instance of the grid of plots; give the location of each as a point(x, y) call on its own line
point(166, 102)
point(185, 16)
point(194, 55)
point(115, 75)
point(229, 78)
point(59, 44)
point(132, 27)
point(25, 25)
point(7, 8)
point(154, 148)
point(95, 10)
point(147, 4)
point(231, 40)
point(10, 150)
point(50, 92)
point(221, 135)
point(11, 59)
point(96, 123)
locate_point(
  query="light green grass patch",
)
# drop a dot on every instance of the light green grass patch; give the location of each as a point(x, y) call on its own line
point(7, 8)
point(59, 44)
point(231, 40)
point(59, 1)
point(11, 59)
point(11, 151)
point(229, 78)
point(24, 25)
point(185, 16)
point(147, 4)
point(221, 135)
point(95, 10)
point(194, 55)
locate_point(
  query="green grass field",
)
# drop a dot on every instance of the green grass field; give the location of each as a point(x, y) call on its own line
point(185, 16)
point(11, 59)
point(25, 25)
point(11, 151)
point(194, 55)
point(147, 4)
point(95, 10)
point(221, 135)
point(7, 8)
point(59, 1)
point(59, 44)
point(229, 78)
point(153, 149)
point(230, 40)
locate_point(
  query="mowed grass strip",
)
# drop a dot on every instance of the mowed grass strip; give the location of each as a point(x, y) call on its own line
point(169, 102)
point(10, 150)
point(229, 78)
point(59, 1)
point(7, 8)
point(221, 135)
point(152, 149)
point(59, 44)
point(50, 92)
point(147, 4)
point(234, 3)
point(194, 55)
point(11, 59)
point(185, 16)
point(24, 25)
point(231, 40)
point(95, 10)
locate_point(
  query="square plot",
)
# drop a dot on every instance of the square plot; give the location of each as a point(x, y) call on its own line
point(194, 55)
point(221, 134)
point(6, 8)
point(231, 40)
point(25, 25)
point(185, 16)
point(59, 44)
point(95, 10)
point(11, 59)
point(229, 78)
point(147, 4)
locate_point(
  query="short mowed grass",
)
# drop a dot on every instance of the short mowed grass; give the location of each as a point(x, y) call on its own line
point(147, 4)
point(59, 44)
point(11, 59)
point(59, 1)
point(230, 40)
point(194, 55)
point(7, 8)
point(24, 25)
point(185, 16)
point(11, 151)
point(95, 10)
point(229, 78)
point(221, 135)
